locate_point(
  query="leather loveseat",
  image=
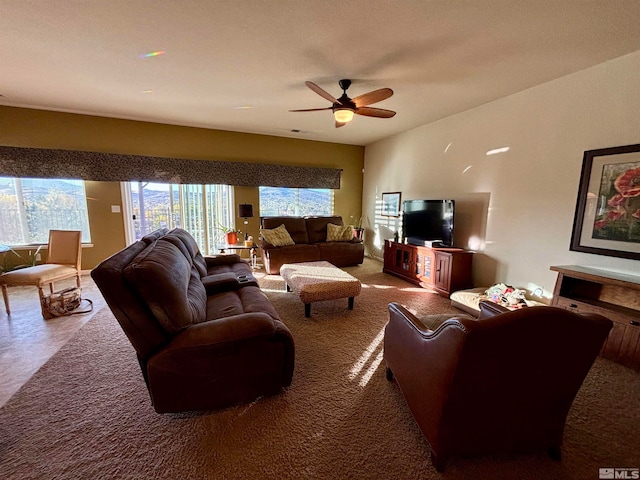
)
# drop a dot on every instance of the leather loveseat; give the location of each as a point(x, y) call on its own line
point(311, 245)
point(205, 335)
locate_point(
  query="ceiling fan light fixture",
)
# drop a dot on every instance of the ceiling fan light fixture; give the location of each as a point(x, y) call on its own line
point(343, 115)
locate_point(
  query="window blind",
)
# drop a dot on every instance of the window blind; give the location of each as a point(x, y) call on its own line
point(112, 167)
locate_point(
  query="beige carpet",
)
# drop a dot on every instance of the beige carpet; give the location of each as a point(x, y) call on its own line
point(86, 413)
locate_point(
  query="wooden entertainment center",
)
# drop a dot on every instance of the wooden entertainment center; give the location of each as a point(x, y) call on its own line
point(444, 270)
point(611, 294)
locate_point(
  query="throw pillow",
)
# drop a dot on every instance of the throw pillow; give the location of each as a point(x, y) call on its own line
point(339, 233)
point(278, 236)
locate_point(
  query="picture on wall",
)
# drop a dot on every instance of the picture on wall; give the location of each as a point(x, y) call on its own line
point(391, 204)
point(607, 218)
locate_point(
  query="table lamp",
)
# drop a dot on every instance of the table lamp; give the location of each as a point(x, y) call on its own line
point(245, 210)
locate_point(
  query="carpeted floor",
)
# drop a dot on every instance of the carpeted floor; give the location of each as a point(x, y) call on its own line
point(86, 413)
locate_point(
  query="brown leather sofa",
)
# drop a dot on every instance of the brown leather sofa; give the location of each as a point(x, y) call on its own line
point(501, 383)
point(310, 237)
point(205, 335)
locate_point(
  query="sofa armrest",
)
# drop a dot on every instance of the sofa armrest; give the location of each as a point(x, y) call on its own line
point(263, 244)
point(224, 330)
point(490, 309)
point(225, 282)
point(226, 259)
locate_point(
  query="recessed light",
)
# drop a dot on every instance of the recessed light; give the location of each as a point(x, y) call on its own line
point(147, 91)
point(243, 107)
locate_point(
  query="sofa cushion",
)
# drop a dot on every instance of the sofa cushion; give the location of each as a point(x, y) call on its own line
point(317, 227)
point(175, 296)
point(245, 300)
point(155, 235)
point(278, 236)
point(188, 244)
point(296, 227)
point(342, 254)
point(339, 233)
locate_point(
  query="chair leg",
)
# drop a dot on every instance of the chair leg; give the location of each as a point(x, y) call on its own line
point(555, 453)
point(389, 374)
point(51, 287)
point(78, 280)
point(5, 295)
point(41, 296)
point(437, 461)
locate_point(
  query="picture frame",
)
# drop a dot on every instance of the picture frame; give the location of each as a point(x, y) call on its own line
point(391, 204)
point(607, 215)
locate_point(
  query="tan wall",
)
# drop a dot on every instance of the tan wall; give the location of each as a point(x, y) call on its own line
point(44, 129)
point(516, 208)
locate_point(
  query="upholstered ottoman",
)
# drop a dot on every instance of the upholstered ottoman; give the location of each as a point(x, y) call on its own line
point(318, 281)
point(469, 300)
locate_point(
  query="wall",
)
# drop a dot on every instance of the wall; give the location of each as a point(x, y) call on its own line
point(516, 208)
point(21, 127)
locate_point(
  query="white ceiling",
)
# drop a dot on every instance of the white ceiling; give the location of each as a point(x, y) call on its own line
point(440, 57)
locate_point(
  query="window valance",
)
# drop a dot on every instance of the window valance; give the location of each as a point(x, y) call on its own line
point(114, 167)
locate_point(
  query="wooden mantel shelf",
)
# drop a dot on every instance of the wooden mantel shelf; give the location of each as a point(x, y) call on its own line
point(612, 294)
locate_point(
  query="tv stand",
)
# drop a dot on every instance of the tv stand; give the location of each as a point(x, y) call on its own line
point(444, 270)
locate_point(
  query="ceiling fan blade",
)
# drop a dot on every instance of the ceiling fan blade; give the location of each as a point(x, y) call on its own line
point(375, 112)
point(340, 124)
point(321, 92)
point(372, 97)
point(311, 109)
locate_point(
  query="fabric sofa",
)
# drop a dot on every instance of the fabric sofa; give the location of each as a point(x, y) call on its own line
point(311, 245)
point(205, 335)
point(501, 383)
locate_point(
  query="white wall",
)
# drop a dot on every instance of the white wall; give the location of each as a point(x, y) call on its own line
point(516, 208)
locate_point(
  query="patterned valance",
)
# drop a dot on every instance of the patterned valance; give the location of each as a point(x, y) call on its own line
point(113, 167)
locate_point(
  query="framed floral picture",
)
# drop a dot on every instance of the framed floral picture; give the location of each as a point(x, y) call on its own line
point(391, 204)
point(607, 217)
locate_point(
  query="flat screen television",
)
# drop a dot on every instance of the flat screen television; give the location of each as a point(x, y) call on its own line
point(428, 221)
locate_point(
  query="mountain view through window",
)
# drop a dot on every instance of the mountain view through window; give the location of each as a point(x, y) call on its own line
point(30, 207)
point(295, 202)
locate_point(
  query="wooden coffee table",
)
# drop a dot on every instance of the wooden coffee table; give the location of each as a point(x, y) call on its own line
point(318, 281)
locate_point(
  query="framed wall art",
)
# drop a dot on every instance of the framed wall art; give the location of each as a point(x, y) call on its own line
point(607, 217)
point(391, 204)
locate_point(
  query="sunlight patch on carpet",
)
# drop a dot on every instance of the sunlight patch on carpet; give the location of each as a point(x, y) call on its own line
point(273, 290)
point(380, 287)
point(374, 346)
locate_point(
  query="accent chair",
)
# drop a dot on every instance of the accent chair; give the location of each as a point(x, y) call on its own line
point(64, 256)
point(501, 383)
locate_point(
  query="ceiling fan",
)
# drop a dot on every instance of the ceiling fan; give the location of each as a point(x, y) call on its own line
point(344, 107)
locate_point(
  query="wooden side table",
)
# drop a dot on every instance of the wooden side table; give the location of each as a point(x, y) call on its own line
point(612, 294)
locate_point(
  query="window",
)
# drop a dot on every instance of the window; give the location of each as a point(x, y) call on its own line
point(295, 202)
point(199, 209)
point(30, 207)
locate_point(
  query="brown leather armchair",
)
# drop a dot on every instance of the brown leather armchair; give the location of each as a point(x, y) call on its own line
point(501, 383)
